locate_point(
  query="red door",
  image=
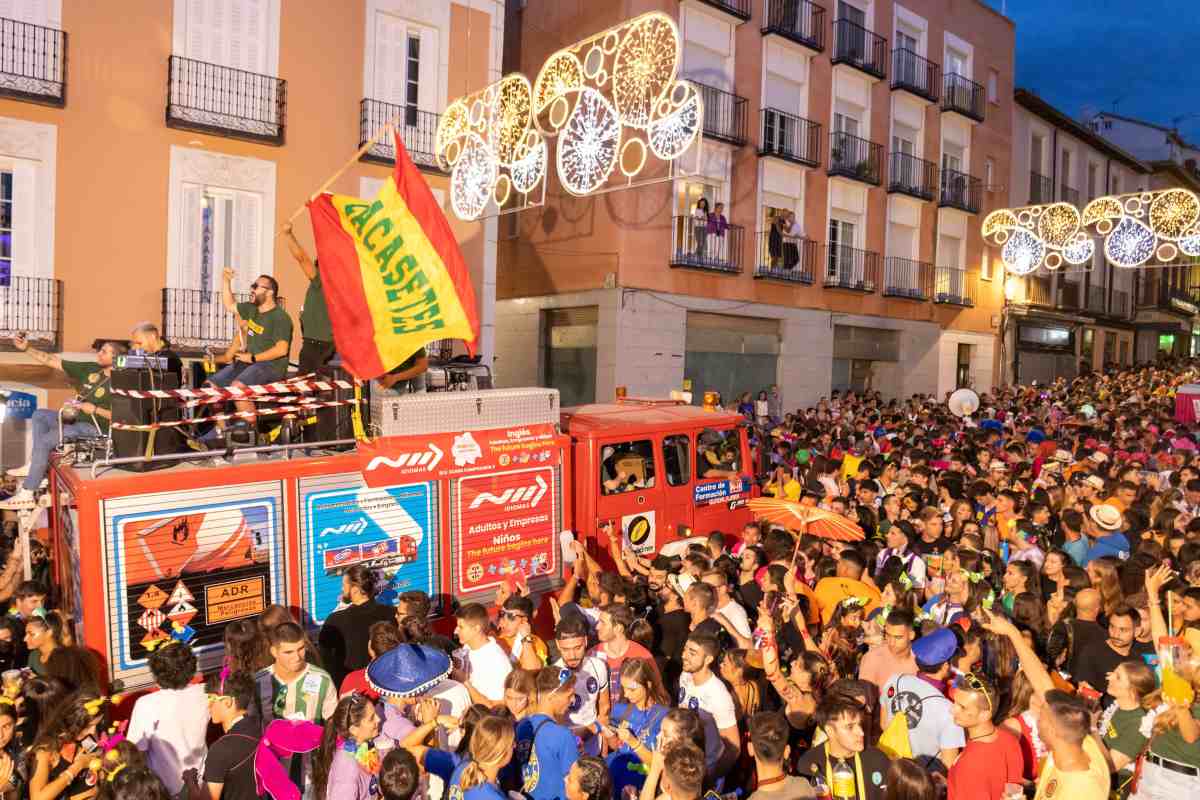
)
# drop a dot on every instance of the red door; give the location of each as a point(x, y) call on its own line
point(721, 486)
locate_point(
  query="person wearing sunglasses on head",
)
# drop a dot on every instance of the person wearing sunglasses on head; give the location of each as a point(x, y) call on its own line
point(991, 758)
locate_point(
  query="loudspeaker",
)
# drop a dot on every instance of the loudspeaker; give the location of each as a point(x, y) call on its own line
point(135, 411)
point(337, 422)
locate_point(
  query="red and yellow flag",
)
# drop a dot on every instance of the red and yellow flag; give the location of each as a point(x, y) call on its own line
point(393, 274)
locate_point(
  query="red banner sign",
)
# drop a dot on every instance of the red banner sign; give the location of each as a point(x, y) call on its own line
point(393, 460)
point(504, 524)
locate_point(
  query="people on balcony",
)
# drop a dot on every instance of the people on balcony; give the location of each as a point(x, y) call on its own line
point(700, 227)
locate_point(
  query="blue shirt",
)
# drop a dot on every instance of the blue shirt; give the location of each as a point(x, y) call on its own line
point(552, 753)
point(449, 767)
point(1115, 544)
point(624, 764)
point(1077, 550)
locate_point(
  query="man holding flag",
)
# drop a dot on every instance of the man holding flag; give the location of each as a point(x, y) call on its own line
point(394, 276)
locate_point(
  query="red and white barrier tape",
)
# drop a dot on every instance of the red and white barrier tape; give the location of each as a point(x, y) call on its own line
point(305, 406)
point(213, 394)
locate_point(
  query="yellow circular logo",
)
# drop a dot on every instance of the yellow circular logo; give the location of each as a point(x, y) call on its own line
point(639, 530)
point(95, 376)
point(99, 393)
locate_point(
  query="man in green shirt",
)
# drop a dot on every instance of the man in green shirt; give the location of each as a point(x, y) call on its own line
point(88, 414)
point(259, 351)
point(316, 331)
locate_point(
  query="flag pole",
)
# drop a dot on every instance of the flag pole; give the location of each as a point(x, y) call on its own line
point(391, 126)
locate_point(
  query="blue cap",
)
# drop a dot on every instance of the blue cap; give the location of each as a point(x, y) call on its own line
point(992, 425)
point(936, 648)
point(408, 670)
point(1035, 437)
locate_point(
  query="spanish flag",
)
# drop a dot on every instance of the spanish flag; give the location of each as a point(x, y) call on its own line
point(393, 274)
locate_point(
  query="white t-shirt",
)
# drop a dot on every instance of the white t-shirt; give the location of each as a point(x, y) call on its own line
point(590, 680)
point(736, 615)
point(453, 701)
point(931, 727)
point(712, 701)
point(169, 726)
point(486, 669)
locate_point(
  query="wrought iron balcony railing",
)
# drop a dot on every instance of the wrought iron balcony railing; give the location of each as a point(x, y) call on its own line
point(903, 277)
point(785, 258)
point(915, 74)
point(1041, 189)
point(961, 191)
point(955, 286)
point(913, 176)
point(789, 137)
point(799, 20)
point(860, 48)
point(193, 319)
point(32, 306)
point(724, 114)
point(850, 268)
point(694, 245)
point(33, 62)
point(1069, 195)
point(856, 158)
point(734, 8)
point(224, 101)
point(418, 130)
point(963, 96)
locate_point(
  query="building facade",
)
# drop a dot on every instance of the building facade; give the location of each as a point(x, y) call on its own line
point(178, 137)
point(1059, 322)
point(882, 127)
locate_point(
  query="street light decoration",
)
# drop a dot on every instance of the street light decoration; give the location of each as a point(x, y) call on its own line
point(1142, 226)
point(612, 99)
point(1047, 236)
point(487, 142)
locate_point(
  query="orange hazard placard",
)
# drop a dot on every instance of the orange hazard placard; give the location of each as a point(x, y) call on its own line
point(235, 599)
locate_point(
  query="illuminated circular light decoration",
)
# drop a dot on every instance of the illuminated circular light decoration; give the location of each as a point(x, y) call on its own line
point(1166, 251)
point(1023, 252)
point(472, 179)
point(1100, 208)
point(671, 136)
point(998, 221)
point(587, 151)
point(1130, 244)
point(502, 190)
point(1173, 213)
point(452, 125)
point(1190, 245)
point(561, 74)
point(1058, 224)
point(527, 171)
point(638, 148)
point(1053, 261)
point(643, 70)
point(1079, 251)
point(510, 114)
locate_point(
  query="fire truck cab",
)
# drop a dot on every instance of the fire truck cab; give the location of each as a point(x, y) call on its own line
point(657, 470)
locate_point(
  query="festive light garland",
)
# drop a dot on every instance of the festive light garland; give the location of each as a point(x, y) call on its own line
point(1137, 228)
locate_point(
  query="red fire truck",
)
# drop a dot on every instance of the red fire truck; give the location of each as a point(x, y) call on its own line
point(459, 491)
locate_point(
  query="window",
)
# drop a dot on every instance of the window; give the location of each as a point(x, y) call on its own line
point(675, 459)
point(6, 231)
point(718, 453)
point(993, 87)
point(952, 158)
point(904, 140)
point(1116, 185)
point(1093, 172)
point(404, 71)
point(1110, 348)
point(844, 123)
point(221, 227)
point(412, 80)
point(1087, 347)
point(956, 63)
point(841, 246)
point(962, 375)
point(989, 174)
point(1066, 168)
point(1125, 352)
point(626, 467)
point(949, 251)
point(906, 41)
point(985, 265)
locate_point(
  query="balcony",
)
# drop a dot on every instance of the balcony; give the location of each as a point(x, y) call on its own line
point(32, 306)
point(903, 277)
point(954, 286)
point(33, 63)
point(852, 157)
point(912, 176)
point(1069, 195)
point(914, 74)
point(963, 96)
point(1097, 299)
point(799, 20)
point(785, 258)
point(961, 191)
point(1119, 306)
point(417, 128)
point(855, 45)
point(193, 319)
point(739, 9)
point(1039, 292)
point(1041, 189)
point(724, 114)
point(850, 268)
point(223, 101)
point(694, 247)
point(789, 137)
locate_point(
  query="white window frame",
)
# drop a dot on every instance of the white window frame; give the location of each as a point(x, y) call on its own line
point(191, 167)
point(32, 147)
point(270, 35)
point(993, 87)
point(426, 14)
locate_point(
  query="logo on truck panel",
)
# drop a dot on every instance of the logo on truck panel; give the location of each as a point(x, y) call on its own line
point(357, 527)
point(531, 494)
point(429, 459)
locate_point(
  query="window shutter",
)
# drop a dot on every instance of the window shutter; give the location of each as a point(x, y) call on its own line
point(428, 99)
point(192, 229)
point(24, 221)
point(247, 238)
point(390, 53)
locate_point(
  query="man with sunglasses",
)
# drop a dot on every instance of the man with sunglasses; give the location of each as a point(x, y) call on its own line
point(992, 756)
point(229, 767)
point(525, 648)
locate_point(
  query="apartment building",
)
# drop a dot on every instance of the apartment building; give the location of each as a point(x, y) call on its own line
point(883, 127)
point(143, 151)
point(1059, 322)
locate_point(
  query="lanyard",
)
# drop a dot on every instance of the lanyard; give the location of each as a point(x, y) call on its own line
point(858, 775)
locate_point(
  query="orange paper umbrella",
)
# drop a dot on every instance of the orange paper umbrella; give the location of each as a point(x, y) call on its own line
point(806, 519)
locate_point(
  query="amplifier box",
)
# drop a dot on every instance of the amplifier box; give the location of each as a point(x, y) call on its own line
point(138, 411)
point(438, 412)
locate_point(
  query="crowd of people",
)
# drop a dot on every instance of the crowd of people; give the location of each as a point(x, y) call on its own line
point(1020, 618)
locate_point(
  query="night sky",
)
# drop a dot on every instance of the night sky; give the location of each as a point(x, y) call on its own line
point(1086, 54)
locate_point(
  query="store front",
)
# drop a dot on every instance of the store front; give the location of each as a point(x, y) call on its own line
point(1045, 351)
